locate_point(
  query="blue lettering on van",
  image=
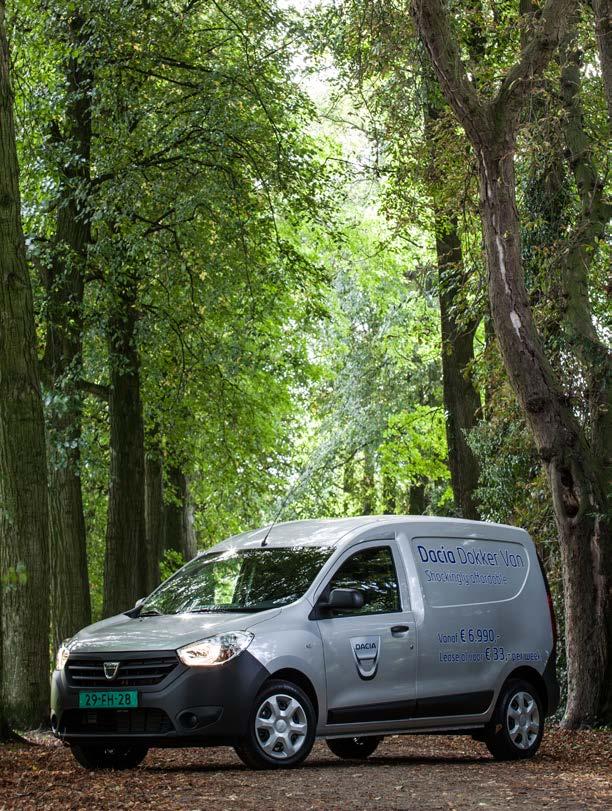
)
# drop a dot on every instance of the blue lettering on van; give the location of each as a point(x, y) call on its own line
point(473, 557)
point(441, 555)
point(510, 559)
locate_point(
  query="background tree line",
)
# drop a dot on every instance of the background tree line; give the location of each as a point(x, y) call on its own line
point(388, 294)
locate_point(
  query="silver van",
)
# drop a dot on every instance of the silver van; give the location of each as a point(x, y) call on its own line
point(347, 630)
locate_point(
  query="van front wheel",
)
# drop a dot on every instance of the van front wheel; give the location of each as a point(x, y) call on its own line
point(517, 726)
point(281, 729)
point(354, 748)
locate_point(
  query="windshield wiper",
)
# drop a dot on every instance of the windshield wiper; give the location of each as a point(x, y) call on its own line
point(151, 612)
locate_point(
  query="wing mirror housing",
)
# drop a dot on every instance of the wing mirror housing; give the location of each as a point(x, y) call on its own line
point(344, 600)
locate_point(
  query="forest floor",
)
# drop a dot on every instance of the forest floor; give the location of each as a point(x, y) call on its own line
point(571, 771)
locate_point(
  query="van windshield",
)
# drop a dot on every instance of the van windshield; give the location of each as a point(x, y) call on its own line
point(244, 580)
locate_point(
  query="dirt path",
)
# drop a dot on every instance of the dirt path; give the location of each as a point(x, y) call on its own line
point(572, 771)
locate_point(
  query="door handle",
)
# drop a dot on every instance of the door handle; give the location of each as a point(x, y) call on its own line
point(398, 630)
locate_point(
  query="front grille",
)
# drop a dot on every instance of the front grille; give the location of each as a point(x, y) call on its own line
point(131, 673)
point(144, 721)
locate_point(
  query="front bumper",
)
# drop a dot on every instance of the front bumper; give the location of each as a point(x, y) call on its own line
point(190, 707)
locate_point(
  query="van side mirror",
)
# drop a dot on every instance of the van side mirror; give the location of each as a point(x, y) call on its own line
point(344, 600)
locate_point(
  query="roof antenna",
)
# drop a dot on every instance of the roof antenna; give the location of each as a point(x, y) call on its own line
point(295, 487)
point(284, 504)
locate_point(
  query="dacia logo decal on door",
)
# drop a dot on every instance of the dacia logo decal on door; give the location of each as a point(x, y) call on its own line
point(366, 653)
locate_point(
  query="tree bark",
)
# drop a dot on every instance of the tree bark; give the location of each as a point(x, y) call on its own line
point(462, 404)
point(590, 229)
point(70, 600)
point(5, 732)
point(602, 9)
point(348, 485)
point(417, 503)
point(389, 494)
point(575, 470)
point(154, 517)
point(125, 561)
point(24, 538)
point(180, 533)
point(368, 493)
point(461, 399)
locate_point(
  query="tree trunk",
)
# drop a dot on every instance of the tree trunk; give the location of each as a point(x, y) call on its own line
point(125, 562)
point(368, 494)
point(348, 485)
point(389, 494)
point(590, 229)
point(462, 404)
point(180, 533)
point(70, 601)
point(5, 732)
point(461, 399)
point(154, 517)
point(417, 502)
point(574, 474)
point(575, 470)
point(24, 539)
point(602, 10)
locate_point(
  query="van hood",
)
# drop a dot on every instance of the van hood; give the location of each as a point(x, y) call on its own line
point(168, 632)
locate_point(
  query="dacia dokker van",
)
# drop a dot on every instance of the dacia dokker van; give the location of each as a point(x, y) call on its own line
point(347, 630)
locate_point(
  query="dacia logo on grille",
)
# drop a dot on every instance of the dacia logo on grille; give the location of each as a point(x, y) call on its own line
point(366, 653)
point(111, 669)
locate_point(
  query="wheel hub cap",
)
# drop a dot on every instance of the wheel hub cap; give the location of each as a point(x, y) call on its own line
point(523, 720)
point(281, 726)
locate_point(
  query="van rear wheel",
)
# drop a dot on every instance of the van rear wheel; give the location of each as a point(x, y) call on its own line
point(101, 756)
point(281, 729)
point(354, 748)
point(517, 726)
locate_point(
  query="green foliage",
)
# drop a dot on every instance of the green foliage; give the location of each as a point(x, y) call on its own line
point(14, 576)
point(280, 254)
point(170, 563)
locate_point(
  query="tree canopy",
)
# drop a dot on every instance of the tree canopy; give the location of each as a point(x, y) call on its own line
point(286, 260)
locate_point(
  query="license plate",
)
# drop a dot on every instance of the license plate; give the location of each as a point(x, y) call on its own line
point(108, 699)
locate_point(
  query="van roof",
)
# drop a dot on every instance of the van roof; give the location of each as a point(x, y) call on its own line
point(330, 531)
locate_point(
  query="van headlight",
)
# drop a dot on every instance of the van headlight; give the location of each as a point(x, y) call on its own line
point(62, 655)
point(215, 650)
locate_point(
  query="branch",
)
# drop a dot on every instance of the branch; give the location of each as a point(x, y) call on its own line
point(548, 27)
point(95, 389)
point(485, 123)
point(432, 23)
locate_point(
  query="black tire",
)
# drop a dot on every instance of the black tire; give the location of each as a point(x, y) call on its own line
point(354, 748)
point(275, 697)
point(516, 728)
point(94, 756)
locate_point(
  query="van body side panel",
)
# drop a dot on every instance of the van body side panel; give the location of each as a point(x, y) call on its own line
point(290, 641)
point(482, 613)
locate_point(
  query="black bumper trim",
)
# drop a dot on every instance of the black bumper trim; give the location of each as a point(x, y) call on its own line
point(221, 698)
point(436, 707)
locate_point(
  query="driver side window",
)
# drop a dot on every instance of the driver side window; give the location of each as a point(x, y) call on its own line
point(372, 571)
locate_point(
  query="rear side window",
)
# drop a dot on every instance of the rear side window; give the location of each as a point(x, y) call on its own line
point(372, 571)
point(465, 571)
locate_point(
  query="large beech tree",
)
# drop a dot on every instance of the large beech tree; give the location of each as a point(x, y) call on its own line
point(64, 282)
point(23, 471)
point(574, 459)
